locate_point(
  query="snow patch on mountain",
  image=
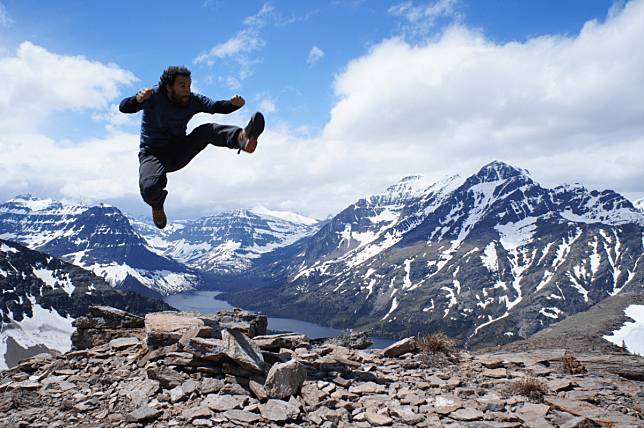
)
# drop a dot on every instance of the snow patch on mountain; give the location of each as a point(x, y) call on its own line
point(52, 279)
point(45, 327)
point(489, 257)
point(514, 235)
point(632, 332)
point(284, 215)
point(639, 204)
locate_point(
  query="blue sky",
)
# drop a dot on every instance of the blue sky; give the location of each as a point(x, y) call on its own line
point(302, 63)
point(146, 36)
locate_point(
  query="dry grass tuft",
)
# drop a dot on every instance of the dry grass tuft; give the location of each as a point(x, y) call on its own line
point(530, 387)
point(571, 365)
point(437, 343)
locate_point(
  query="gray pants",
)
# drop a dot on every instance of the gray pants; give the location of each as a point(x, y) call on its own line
point(155, 163)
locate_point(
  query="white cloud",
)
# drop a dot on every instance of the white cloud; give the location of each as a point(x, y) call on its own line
point(38, 82)
point(420, 19)
point(5, 19)
point(91, 170)
point(267, 106)
point(551, 104)
point(566, 108)
point(315, 55)
point(244, 42)
point(114, 120)
point(242, 47)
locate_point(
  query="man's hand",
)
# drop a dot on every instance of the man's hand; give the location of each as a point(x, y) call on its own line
point(238, 101)
point(143, 95)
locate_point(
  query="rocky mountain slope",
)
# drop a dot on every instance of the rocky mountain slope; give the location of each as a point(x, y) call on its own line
point(584, 331)
point(97, 238)
point(40, 296)
point(228, 242)
point(488, 259)
point(185, 370)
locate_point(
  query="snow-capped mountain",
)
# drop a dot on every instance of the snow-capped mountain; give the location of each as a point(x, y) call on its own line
point(227, 242)
point(98, 238)
point(489, 259)
point(41, 295)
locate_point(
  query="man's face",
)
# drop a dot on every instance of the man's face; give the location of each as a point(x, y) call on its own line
point(179, 92)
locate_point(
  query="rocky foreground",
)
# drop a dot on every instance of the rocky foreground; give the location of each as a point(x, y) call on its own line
point(178, 369)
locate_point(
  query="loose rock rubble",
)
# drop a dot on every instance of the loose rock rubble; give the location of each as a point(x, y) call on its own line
point(184, 370)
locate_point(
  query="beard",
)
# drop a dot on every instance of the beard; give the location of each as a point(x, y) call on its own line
point(181, 101)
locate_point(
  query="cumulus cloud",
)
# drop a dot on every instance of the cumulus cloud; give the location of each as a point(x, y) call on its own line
point(315, 54)
point(91, 170)
point(551, 104)
point(38, 82)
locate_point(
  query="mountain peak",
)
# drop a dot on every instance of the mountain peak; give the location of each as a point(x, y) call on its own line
point(283, 215)
point(498, 170)
point(410, 184)
point(31, 202)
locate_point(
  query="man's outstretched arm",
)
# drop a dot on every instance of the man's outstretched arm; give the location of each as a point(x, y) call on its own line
point(135, 103)
point(223, 106)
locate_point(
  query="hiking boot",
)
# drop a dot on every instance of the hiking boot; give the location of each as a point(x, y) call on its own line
point(252, 131)
point(158, 214)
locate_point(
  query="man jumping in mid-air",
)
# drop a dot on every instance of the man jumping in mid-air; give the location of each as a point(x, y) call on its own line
point(165, 147)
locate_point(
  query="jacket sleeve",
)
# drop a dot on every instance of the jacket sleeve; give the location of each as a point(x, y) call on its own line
point(130, 105)
point(207, 105)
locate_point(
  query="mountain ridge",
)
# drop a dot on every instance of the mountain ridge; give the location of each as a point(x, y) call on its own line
point(494, 248)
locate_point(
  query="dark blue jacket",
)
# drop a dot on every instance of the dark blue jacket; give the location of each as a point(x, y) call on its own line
point(163, 121)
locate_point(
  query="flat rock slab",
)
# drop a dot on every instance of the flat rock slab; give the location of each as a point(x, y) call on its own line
point(401, 347)
point(594, 413)
point(210, 385)
point(407, 415)
point(496, 373)
point(143, 414)
point(242, 416)
point(490, 362)
point(275, 342)
point(26, 385)
point(222, 403)
point(124, 342)
point(207, 349)
point(196, 412)
point(445, 404)
point(557, 385)
point(533, 415)
point(367, 388)
point(466, 414)
point(140, 391)
point(279, 410)
point(376, 419)
point(167, 328)
point(109, 317)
